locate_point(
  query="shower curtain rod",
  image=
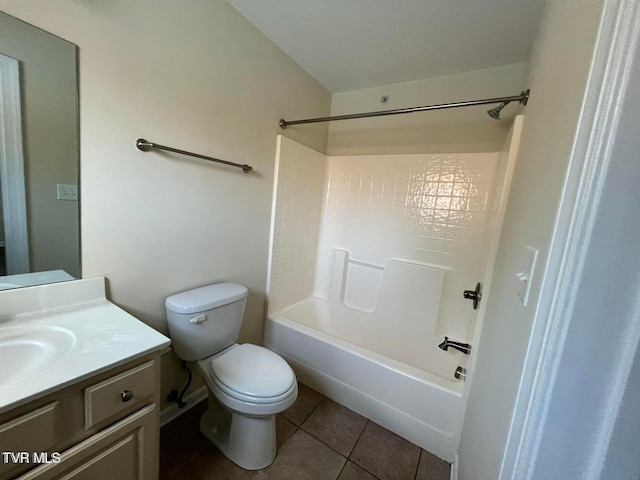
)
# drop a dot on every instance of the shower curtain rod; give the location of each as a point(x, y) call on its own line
point(522, 98)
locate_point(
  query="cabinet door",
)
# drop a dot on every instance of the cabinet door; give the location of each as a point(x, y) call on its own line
point(32, 432)
point(127, 450)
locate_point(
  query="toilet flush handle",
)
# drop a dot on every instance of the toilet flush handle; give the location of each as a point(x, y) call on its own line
point(198, 319)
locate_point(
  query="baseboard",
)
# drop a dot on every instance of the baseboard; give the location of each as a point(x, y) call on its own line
point(454, 468)
point(173, 411)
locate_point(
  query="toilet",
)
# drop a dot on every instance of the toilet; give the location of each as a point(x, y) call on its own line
point(248, 384)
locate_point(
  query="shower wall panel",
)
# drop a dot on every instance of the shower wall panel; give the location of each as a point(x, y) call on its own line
point(300, 179)
point(433, 209)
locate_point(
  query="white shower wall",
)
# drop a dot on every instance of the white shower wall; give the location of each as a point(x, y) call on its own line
point(295, 223)
point(433, 209)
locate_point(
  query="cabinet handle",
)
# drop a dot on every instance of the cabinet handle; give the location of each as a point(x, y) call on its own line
point(126, 395)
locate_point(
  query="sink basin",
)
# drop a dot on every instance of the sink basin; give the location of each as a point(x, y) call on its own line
point(55, 335)
point(28, 351)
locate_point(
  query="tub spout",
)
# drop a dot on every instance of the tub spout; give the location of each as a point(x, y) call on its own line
point(462, 347)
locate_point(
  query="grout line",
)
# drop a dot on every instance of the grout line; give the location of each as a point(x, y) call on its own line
point(287, 440)
point(348, 457)
point(354, 447)
point(415, 476)
point(316, 438)
point(314, 409)
point(343, 467)
point(358, 439)
point(323, 442)
point(333, 449)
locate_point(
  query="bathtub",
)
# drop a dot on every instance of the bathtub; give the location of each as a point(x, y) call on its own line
point(424, 405)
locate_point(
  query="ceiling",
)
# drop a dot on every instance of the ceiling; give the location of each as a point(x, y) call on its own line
point(353, 44)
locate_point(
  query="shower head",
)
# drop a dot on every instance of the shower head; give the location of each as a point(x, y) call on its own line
point(495, 112)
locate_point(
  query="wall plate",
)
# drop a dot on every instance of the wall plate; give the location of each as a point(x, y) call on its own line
point(526, 274)
point(67, 192)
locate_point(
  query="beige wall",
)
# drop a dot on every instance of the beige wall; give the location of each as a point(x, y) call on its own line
point(558, 76)
point(460, 130)
point(49, 92)
point(197, 77)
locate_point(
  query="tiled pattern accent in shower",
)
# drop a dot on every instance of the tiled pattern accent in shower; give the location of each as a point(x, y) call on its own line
point(298, 196)
point(433, 209)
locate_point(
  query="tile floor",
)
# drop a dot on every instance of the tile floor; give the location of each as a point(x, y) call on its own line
point(316, 438)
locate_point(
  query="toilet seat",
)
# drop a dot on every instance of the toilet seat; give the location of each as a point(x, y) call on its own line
point(253, 374)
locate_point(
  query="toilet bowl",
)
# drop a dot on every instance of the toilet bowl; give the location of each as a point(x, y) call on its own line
point(248, 384)
point(240, 419)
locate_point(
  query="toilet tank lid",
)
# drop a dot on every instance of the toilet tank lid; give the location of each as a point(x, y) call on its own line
point(206, 298)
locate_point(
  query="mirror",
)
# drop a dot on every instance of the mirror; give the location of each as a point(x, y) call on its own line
point(39, 156)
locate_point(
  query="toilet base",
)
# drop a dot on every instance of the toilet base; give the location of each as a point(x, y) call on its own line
point(249, 442)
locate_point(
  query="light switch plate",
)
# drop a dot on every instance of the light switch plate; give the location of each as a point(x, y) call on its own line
point(525, 275)
point(67, 192)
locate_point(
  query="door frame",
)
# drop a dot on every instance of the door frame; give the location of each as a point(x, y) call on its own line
point(609, 76)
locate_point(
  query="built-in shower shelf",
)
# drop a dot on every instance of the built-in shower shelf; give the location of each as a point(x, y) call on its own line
point(399, 288)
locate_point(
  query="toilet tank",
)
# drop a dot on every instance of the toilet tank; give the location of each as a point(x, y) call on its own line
point(205, 320)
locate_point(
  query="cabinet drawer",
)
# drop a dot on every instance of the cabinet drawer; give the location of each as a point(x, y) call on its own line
point(32, 432)
point(119, 394)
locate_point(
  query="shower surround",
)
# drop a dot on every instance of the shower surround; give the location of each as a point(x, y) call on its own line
point(369, 258)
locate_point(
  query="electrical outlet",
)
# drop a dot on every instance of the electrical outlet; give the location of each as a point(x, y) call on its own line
point(67, 192)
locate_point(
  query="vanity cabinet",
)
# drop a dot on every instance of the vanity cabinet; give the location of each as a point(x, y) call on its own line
point(104, 427)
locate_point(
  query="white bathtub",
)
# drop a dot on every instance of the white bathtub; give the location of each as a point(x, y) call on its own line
point(423, 405)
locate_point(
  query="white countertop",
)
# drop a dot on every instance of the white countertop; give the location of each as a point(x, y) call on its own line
point(95, 335)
